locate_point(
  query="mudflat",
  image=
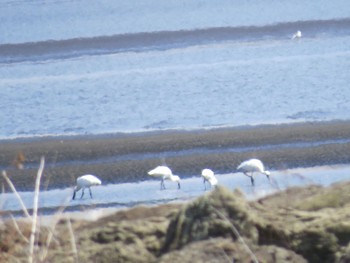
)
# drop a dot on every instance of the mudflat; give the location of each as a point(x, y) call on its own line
point(119, 158)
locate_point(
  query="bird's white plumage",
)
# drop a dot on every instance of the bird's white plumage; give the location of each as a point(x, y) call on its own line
point(164, 173)
point(251, 166)
point(174, 178)
point(86, 181)
point(160, 171)
point(208, 175)
point(297, 34)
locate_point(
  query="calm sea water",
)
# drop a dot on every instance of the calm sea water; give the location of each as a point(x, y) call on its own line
point(87, 67)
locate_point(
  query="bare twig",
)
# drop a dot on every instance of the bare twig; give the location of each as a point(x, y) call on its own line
point(236, 233)
point(35, 209)
point(16, 194)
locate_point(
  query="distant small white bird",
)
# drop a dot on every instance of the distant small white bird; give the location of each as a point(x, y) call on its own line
point(166, 174)
point(297, 34)
point(85, 181)
point(251, 166)
point(208, 176)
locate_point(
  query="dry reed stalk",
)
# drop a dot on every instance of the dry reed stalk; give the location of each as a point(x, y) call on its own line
point(72, 240)
point(18, 229)
point(222, 250)
point(35, 210)
point(239, 237)
point(2, 200)
point(16, 194)
point(56, 218)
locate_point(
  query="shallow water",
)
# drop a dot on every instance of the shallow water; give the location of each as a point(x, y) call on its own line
point(119, 196)
point(226, 84)
point(153, 65)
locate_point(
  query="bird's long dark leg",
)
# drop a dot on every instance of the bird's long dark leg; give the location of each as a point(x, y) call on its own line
point(82, 193)
point(250, 176)
point(162, 186)
point(252, 179)
point(74, 195)
point(178, 185)
point(90, 192)
point(205, 186)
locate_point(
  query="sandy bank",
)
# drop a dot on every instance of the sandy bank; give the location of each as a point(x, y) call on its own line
point(128, 157)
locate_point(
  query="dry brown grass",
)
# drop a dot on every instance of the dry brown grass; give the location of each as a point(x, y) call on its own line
point(28, 233)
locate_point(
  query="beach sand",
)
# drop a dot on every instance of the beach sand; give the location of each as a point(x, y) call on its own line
point(116, 158)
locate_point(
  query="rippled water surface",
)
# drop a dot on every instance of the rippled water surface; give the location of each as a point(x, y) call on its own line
point(117, 66)
point(224, 84)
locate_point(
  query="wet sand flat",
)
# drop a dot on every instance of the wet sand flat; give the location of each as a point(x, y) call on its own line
point(119, 158)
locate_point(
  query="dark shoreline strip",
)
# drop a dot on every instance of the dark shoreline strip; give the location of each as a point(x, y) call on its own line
point(128, 157)
point(161, 40)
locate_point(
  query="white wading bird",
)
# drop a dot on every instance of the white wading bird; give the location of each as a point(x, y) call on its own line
point(85, 181)
point(208, 176)
point(297, 35)
point(251, 166)
point(166, 174)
